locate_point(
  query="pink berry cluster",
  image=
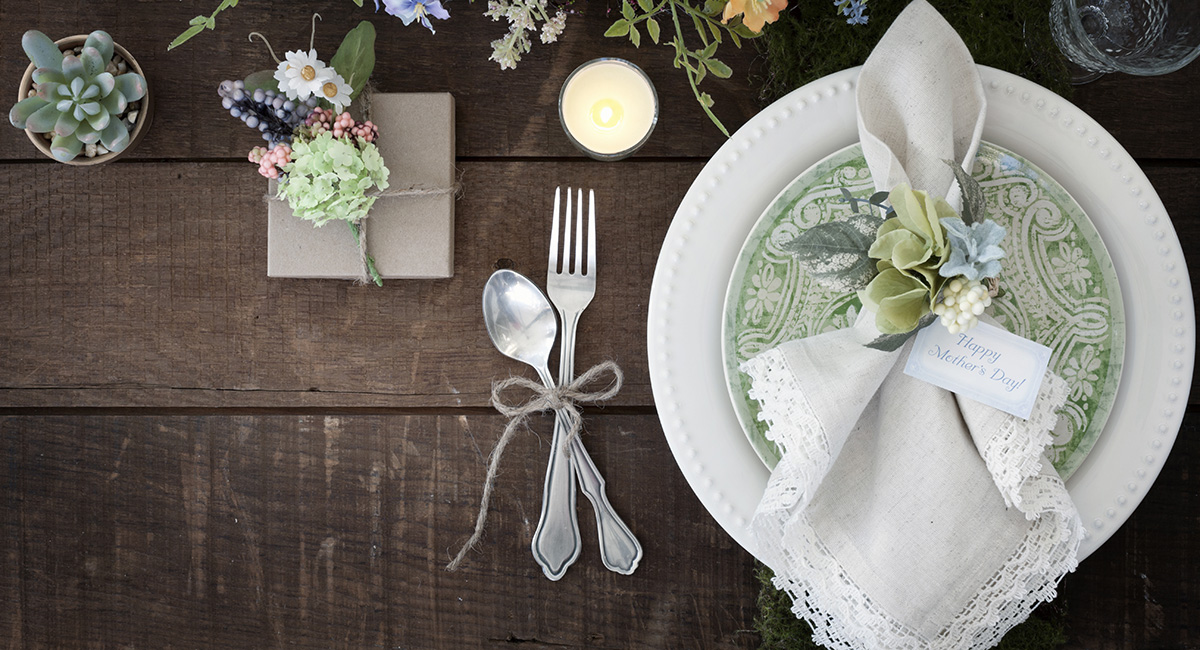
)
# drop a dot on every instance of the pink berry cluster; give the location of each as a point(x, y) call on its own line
point(271, 162)
point(321, 121)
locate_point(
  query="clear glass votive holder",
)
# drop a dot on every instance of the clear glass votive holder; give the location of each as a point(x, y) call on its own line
point(1140, 37)
point(608, 108)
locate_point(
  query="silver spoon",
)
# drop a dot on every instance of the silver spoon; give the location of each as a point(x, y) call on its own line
point(522, 326)
point(521, 323)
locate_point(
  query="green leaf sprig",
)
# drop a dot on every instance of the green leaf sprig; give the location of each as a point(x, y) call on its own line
point(697, 63)
point(200, 23)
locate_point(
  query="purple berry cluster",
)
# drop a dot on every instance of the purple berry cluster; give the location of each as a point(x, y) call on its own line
point(271, 113)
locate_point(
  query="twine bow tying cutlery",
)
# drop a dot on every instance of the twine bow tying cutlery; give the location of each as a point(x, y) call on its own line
point(561, 399)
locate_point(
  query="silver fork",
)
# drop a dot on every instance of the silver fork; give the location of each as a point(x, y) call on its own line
point(571, 290)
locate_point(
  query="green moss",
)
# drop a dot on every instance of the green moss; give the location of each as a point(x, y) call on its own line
point(811, 40)
point(779, 629)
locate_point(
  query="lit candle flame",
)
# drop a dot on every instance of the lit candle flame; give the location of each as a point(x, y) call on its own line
point(606, 114)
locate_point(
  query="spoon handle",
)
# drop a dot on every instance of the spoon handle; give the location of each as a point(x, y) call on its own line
point(556, 542)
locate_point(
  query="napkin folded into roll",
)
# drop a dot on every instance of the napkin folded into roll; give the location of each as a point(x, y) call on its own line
point(902, 515)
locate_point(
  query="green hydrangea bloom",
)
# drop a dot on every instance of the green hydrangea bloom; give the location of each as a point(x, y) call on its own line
point(328, 179)
point(910, 247)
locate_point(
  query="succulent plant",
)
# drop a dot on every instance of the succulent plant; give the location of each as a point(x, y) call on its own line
point(76, 98)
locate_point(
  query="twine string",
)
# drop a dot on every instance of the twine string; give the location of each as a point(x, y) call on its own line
point(561, 399)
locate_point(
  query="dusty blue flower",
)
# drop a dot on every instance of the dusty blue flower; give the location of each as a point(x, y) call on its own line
point(853, 9)
point(410, 10)
point(974, 250)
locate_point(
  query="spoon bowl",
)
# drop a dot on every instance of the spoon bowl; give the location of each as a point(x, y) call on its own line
point(519, 318)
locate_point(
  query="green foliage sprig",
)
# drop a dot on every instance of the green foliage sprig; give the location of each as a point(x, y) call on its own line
point(697, 63)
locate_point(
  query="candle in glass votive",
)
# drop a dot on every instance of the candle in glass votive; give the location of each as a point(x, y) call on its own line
point(608, 108)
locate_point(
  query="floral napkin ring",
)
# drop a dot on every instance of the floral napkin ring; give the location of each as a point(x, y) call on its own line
point(911, 257)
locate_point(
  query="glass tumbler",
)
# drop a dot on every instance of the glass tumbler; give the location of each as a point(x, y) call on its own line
point(1141, 37)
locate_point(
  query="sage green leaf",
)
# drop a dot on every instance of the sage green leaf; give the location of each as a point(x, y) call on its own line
point(716, 31)
point(45, 75)
point(355, 57)
point(131, 85)
point(718, 69)
point(635, 36)
point(72, 67)
point(707, 52)
point(706, 100)
point(701, 72)
point(264, 79)
point(50, 91)
point(893, 342)
point(645, 5)
point(115, 103)
point(87, 135)
point(103, 43)
point(358, 2)
point(100, 120)
point(21, 111)
point(106, 83)
point(93, 64)
point(619, 28)
point(66, 124)
point(185, 36)
point(41, 50)
point(627, 10)
point(43, 119)
point(115, 137)
point(835, 253)
point(652, 29)
point(64, 148)
point(974, 206)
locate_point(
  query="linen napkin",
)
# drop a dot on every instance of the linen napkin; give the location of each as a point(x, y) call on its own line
point(902, 515)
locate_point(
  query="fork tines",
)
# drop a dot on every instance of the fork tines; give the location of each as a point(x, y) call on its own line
point(574, 265)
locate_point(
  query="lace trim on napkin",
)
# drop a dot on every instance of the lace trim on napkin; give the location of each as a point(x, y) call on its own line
point(789, 416)
point(1014, 453)
point(842, 615)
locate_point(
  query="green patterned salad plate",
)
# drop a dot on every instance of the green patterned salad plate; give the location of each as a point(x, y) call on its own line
point(1061, 289)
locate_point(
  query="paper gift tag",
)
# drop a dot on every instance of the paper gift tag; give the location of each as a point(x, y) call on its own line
point(987, 364)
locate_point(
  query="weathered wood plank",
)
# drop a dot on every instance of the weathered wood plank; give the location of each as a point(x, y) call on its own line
point(1152, 117)
point(137, 297)
point(1139, 590)
point(161, 298)
point(320, 532)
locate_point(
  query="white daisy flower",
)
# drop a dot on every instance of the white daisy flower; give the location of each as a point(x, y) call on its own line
point(301, 74)
point(335, 90)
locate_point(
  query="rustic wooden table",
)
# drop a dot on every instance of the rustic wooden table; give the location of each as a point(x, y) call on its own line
point(198, 456)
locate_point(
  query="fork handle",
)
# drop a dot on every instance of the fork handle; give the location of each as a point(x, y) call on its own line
point(619, 549)
point(566, 351)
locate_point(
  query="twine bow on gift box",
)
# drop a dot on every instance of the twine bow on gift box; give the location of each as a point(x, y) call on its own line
point(562, 399)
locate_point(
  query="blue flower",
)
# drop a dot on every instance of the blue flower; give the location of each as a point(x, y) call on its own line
point(974, 250)
point(854, 9)
point(410, 10)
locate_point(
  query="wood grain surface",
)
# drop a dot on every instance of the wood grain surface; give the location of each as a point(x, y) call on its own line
point(193, 455)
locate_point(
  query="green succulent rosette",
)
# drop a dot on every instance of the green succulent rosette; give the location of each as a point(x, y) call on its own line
point(910, 247)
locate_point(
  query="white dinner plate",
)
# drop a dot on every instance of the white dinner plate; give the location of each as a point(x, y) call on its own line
point(741, 179)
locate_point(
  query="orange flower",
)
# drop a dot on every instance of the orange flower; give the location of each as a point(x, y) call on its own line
point(755, 13)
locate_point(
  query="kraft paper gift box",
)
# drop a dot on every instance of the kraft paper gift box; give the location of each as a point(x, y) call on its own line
point(409, 236)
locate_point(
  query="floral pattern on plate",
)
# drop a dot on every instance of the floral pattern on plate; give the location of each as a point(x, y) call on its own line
point(1060, 288)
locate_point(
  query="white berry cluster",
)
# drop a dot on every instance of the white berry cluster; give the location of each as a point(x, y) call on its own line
point(961, 304)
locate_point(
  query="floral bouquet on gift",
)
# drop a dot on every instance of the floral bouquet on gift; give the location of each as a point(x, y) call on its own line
point(911, 257)
point(326, 162)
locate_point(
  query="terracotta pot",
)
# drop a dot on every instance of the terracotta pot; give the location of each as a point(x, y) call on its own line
point(139, 128)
